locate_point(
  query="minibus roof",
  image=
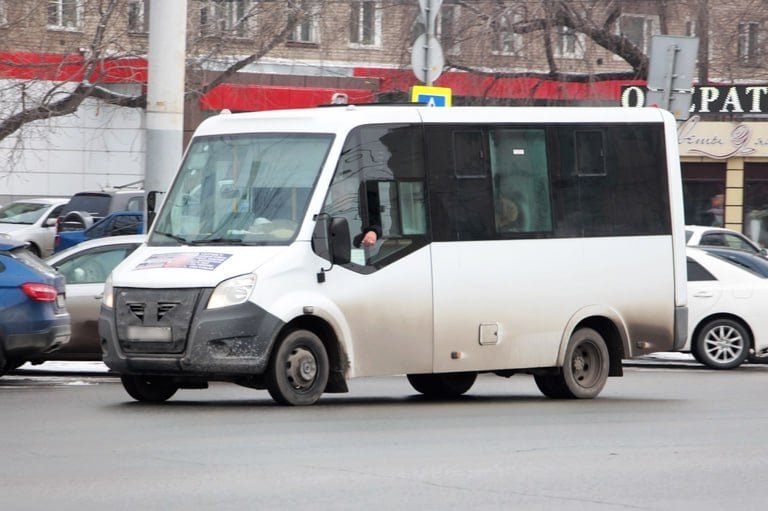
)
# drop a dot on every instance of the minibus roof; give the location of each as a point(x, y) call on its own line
point(342, 118)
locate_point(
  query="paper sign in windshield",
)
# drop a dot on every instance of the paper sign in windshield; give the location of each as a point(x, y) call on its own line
point(190, 260)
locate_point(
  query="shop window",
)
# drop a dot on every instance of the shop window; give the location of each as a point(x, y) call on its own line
point(756, 202)
point(703, 187)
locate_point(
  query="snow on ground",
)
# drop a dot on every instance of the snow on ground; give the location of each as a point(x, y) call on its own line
point(69, 367)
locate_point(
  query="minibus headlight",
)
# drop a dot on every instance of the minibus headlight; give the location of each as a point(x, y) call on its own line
point(233, 291)
point(108, 298)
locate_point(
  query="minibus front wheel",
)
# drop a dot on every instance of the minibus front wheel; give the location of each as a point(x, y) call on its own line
point(298, 370)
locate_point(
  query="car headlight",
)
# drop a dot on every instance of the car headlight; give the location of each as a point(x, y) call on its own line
point(108, 298)
point(233, 291)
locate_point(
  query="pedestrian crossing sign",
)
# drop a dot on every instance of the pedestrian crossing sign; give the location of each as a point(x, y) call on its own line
point(431, 96)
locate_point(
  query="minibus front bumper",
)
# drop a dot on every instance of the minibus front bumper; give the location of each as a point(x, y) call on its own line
point(171, 332)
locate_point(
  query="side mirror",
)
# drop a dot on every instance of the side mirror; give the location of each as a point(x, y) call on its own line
point(331, 239)
point(153, 198)
point(341, 247)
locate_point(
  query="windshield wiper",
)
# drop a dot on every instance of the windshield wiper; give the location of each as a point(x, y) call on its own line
point(181, 240)
point(217, 241)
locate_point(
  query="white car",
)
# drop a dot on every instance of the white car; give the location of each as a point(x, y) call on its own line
point(727, 318)
point(32, 221)
point(721, 237)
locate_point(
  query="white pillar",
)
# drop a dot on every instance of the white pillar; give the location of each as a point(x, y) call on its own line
point(165, 93)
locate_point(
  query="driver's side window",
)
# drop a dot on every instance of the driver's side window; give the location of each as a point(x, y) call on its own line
point(379, 186)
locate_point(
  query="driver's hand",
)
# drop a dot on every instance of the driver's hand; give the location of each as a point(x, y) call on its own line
point(369, 239)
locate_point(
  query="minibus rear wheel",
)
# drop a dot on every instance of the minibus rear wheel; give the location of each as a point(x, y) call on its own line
point(298, 370)
point(585, 368)
point(149, 389)
point(442, 385)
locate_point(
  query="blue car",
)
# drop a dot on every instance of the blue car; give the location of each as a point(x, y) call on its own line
point(114, 224)
point(33, 313)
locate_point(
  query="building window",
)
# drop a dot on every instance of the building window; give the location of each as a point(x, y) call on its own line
point(225, 18)
point(505, 41)
point(638, 29)
point(690, 28)
point(365, 23)
point(748, 43)
point(65, 14)
point(3, 18)
point(307, 12)
point(444, 29)
point(138, 16)
point(569, 43)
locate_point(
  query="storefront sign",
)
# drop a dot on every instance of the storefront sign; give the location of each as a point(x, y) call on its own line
point(722, 140)
point(721, 99)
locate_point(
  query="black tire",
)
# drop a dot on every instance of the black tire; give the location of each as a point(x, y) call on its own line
point(9, 364)
point(33, 249)
point(757, 359)
point(585, 368)
point(149, 389)
point(298, 370)
point(722, 344)
point(443, 385)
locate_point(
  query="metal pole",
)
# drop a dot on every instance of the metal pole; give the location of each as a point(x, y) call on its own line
point(165, 95)
point(430, 30)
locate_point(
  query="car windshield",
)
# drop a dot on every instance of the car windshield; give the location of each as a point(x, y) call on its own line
point(243, 189)
point(752, 263)
point(22, 213)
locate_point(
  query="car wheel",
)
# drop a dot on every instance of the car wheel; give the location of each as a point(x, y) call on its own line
point(34, 249)
point(298, 370)
point(585, 368)
point(149, 389)
point(722, 344)
point(445, 385)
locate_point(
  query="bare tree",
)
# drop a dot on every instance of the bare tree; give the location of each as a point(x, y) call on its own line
point(103, 39)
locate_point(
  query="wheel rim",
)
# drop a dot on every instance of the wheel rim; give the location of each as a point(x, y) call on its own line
point(723, 344)
point(301, 368)
point(586, 364)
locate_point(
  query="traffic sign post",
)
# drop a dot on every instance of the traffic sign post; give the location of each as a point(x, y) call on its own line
point(427, 56)
point(670, 73)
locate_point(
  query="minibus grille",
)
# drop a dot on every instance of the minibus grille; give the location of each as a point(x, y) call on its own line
point(154, 320)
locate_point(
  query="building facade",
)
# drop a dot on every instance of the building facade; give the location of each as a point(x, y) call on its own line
point(302, 52)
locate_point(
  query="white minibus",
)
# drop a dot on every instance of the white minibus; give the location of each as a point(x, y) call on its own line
point(498, 240)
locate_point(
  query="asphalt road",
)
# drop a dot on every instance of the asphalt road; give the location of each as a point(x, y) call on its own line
point(661, 438)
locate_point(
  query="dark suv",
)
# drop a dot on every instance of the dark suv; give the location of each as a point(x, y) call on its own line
point(86, 208)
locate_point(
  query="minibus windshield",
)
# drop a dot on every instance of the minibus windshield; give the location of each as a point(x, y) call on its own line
point(242, 189)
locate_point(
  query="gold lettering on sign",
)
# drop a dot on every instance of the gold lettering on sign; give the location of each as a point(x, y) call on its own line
point(739, 140)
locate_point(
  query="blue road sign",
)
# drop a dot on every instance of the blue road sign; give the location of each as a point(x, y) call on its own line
point(432, 96)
